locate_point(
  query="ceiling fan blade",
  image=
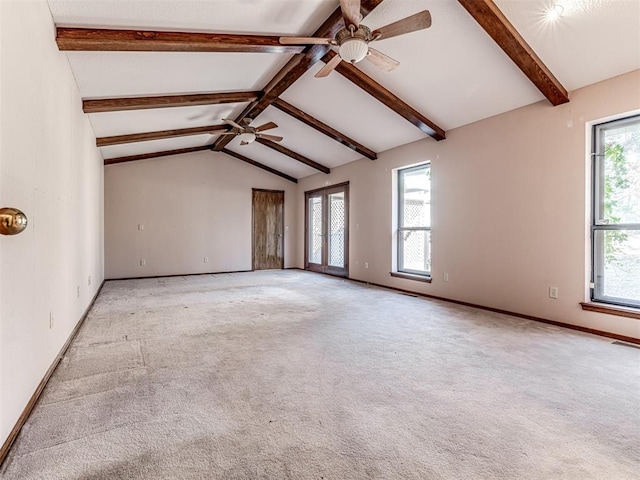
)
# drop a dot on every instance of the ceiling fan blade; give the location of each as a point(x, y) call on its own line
point(304, 40)
point(329, 67)
point(416, 22)
point(382, 61)
point(273, 138)
point(350, 12)
point(266, 126)
point(232, 123)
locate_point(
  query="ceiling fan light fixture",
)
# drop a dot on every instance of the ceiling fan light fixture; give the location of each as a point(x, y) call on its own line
point(247, 137)
point(353, 50)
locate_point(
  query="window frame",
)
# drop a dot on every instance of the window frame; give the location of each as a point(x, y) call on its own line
point(597, 208)
point(400, 221)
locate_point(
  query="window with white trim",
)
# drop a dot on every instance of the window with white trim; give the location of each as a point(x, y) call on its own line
point(615, 226)
point(414, 220)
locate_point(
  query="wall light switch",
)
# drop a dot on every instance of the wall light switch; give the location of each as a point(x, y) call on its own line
point(89, 280)
point(143, 262)
point(445, 277)
point(141, 226)
point(50, 320)
point(206, 259)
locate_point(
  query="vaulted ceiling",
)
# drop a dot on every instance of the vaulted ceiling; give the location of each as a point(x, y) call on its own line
point(450, 75)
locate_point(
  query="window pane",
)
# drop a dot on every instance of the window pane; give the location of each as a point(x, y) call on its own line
point(315, 229)
point(618, 266)
point(337, 217)
point(619, 186)
point(415, 250)
point(416, 198)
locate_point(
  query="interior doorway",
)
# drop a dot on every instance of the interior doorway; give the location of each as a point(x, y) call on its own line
point(268, 229)
point(327, 230)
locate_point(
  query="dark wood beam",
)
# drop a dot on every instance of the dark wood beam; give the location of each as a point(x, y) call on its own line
point(99, 105)
point(493, 21)
point(323, 128)
point(167, 153)
point(145, 156)
point(259, 165)
point(296, 156)
point(143, 137)
point(383, 95)
point(297, 66)
point(102, 39)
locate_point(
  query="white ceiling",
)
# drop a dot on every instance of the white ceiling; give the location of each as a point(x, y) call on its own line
point(592, 41)
point(453, 73)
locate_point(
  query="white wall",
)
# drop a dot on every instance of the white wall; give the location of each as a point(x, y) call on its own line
point(192, 206)
point(50, 169)
point(509, 208)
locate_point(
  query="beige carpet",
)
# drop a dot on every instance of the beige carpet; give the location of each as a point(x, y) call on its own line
point(295, 375)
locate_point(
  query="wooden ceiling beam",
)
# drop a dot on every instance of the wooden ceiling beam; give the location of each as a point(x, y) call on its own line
point(259, 165)
point(296, 156)
point(323, 128)
point(159, 135)
point(145, 156)
point(384, 96)
point(102, 39)
point(100, 105)
point(179, 151)
point(297, 66)
point(494, 22)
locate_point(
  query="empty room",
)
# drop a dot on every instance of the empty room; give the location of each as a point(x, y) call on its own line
point(320, 239)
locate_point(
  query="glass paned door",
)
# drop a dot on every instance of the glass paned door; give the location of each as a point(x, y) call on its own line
point(327, 230)
point(315, 240)
point(337, 227)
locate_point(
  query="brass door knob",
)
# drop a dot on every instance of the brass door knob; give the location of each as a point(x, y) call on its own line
point(12, 221)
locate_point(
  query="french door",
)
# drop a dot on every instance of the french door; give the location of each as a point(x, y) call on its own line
point(327, 230)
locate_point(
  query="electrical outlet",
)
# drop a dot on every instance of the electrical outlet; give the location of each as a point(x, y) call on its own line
point(445, 277)
point(141, 226)
point(50, 320)
point(89, 280)
point(366, 265)
point(143, 262)
point(78, 291)
point(553, 292)
point(206, 259)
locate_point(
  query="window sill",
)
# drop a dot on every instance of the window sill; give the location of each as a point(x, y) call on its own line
point(611, 309)
point(409, 276)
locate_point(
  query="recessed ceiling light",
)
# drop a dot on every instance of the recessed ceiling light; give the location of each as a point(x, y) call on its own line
point(555, 12)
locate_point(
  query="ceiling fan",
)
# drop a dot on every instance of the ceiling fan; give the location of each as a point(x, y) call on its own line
point(247, 133)
point(353, 40)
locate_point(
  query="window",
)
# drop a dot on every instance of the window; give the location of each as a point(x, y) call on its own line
point(615, 228)
point(414, 220)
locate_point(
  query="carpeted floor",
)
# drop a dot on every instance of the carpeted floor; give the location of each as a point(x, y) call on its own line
point(295, 375)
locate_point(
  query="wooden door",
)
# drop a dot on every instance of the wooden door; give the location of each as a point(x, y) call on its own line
point(268, 229)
